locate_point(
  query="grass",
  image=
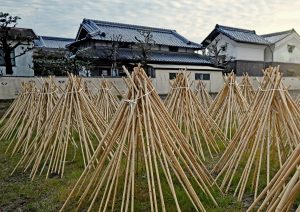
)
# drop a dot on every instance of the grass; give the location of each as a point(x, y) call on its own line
point(19, 193)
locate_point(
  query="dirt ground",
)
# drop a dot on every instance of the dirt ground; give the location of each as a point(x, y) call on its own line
point(4, 105)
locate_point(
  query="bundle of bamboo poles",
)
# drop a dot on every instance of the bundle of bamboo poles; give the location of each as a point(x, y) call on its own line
point(150, 164)
point(74, 125)
point(229, 106)
point(88, 91)
point(203, 96)
point(202, 133)
point(268, 135)
point(15, 120)
point(31, 121)
point(247, 88)
point(284, 188)
point(106, 101)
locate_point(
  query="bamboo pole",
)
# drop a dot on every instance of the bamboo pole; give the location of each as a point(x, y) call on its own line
point(281, 193)
point(202, 94)
point(156, 153)
point(73, 115)
point(229, 107)
point(106, 101)
point(265, 139)
point(247, 88)
point(203, 134)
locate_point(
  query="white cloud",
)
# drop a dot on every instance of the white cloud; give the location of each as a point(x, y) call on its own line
point(192, 18)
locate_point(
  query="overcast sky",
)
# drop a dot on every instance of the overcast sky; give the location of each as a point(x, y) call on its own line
point(194, 19)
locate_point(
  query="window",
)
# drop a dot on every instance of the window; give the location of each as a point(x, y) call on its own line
point(173, 48)
point(151, 72)
point(12, 55)
point(172, 76)
point(291, 48)
point(201, 76)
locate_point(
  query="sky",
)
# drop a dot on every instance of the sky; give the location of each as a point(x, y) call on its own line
point(194, 19)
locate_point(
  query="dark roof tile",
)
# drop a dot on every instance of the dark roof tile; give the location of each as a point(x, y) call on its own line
point(103, 30)
point(52, 42)
point(236, 34)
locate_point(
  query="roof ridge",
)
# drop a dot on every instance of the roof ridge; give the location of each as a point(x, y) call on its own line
point(235, 28)
point(55, 37)
point(128, 25)
point(278, 33)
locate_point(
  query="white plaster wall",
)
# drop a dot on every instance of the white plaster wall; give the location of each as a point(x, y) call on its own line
point(23, 65)
point(281, 53)
point(162, 82)
point(250, 52)
point(231, 45)
point(10, 86)
point(291, 83)
point(242, 51)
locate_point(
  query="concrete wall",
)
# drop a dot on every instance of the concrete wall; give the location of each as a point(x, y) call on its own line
point(23, 65)
point(10, 86)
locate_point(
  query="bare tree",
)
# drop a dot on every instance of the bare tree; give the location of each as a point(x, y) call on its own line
point(145, 44)
point(217, 54)
point(112, 52)
point(11, 38)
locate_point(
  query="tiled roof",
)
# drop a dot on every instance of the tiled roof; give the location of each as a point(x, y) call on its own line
point(155, 56)
point(236, 34)
point(52, 42)
point(20, 33)
point(102, 30)
point(277, 36)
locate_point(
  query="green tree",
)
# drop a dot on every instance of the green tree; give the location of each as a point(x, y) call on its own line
point(11, 38)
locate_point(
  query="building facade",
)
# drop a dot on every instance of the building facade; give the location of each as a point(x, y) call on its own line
point(22, 64)
point(251, 52)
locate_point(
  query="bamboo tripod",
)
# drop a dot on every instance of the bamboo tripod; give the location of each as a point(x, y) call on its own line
point(156, 155)
point(203, 96)
point(229, 106)
point(38, 107)
point(269, 134)
point(247, 88)
point(16, 116)
point(202, 133)
point(106, 101)
point(73, 115)
point(284, 188)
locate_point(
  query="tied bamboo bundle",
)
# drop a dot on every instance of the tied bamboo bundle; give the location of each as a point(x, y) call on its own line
point(155, 164)
point(284, 188)
point(21, 110)
point(88, 91)
point(74, 115)
point(203, 96)
point(229, 106)
point(106, 101)
point(202, 133)
point(269, 134)
point(41, 106)
point(247, 88)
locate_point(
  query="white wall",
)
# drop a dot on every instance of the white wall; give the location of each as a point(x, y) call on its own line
point(242, 51)
point(291, 83)
point(281, 53)
point(23, 65)
point(161, 82)
point(10, 86)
